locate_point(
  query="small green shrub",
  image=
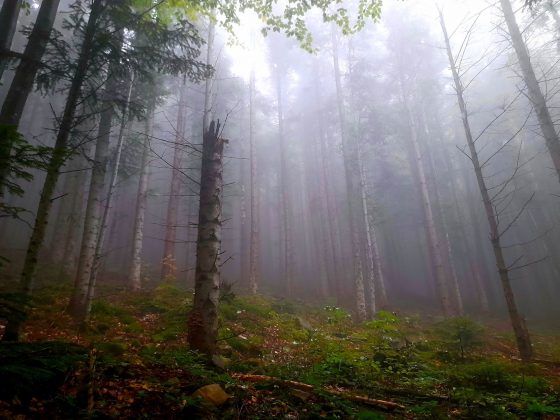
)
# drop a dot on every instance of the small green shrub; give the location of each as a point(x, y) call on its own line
point(459, 335)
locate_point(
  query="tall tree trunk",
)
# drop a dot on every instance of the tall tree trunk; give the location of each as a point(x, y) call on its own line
point(169, 264)
point(203, 319)
point(327, 201)
point(533, 89)
point(85, 314)
point(379, 289)
point(440, 212)
point(255, 196)
point(60, 151)
point(134, 276)
point(95, 199)
point(417, 164)
point(8, 25)
point(22, 83)
point(286, 198)
point(352, 179)
point(519, 327)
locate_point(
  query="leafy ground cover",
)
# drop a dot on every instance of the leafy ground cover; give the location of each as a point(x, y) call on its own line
point(132, 361)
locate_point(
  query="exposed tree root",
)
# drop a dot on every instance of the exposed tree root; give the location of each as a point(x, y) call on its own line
point(310, 388)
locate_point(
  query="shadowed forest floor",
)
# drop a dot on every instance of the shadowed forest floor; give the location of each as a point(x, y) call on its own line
point(132, 361)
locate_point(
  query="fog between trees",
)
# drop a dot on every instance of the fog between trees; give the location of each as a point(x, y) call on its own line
point(348, 177)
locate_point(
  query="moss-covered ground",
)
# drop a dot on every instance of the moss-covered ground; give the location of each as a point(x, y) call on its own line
point(132, 361)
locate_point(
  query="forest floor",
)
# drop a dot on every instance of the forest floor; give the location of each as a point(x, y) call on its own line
point(133, 362)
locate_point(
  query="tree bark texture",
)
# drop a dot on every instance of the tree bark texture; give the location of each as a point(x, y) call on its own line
point(203, 319)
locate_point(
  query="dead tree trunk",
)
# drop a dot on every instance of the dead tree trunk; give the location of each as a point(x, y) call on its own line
point(533, 89)
point(202, 323)
point(169, 265)
point(519, 328)
point(352, 182)
point(134, 275)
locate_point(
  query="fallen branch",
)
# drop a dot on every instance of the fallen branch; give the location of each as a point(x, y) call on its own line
point(310, 388)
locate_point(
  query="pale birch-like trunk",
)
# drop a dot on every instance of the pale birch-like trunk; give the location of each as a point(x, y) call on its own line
point(378, 291)
point(518, 323)
point(352, 182)
point(255, 204)
point(169, 265)
point(85, 314)
point(202, 324)
point(534, 91)
point(134, 276)
point(94, 206)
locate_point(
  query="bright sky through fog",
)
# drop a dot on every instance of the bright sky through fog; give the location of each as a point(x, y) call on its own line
point(244, 56)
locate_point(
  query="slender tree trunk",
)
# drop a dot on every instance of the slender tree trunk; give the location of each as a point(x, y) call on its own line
point(327, 201)
point(203, 319)
point(169, 264)
point(440, 212)
point(352, 182)
point(8, 25)
point(417, 164)
point(134, 276)
point(85, 314)
point(255, 196)
point(533, 89)
point(378, 289)
point(286, 199)
point(22, 83)
point(94, 206)
point(519, 327)
point(60, 151)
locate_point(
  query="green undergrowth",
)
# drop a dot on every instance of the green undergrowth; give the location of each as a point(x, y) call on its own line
point(455, 368)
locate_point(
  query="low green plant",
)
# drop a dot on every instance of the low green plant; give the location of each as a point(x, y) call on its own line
point(459, 336)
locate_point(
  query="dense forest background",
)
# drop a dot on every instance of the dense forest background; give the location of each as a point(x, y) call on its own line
point(322, 207)
point(280, 109)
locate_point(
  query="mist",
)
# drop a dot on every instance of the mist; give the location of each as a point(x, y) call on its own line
point(407, 167)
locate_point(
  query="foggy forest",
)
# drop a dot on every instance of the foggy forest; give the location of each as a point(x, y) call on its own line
point(279, 209)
